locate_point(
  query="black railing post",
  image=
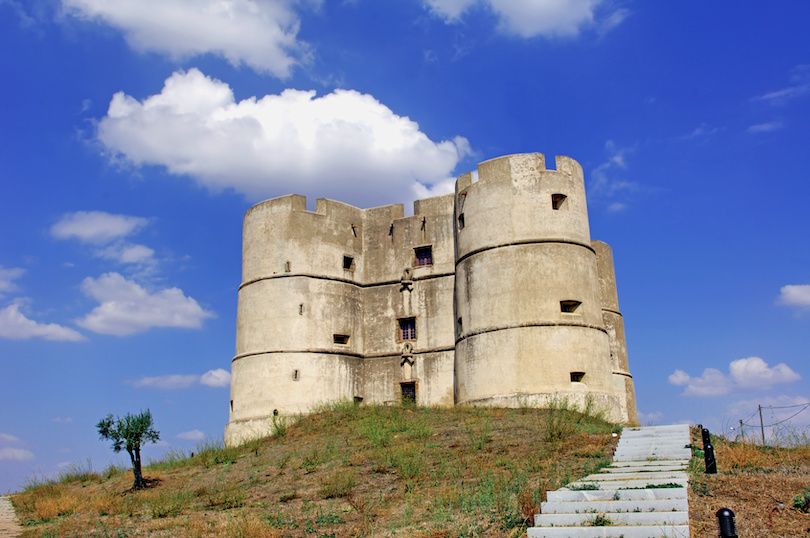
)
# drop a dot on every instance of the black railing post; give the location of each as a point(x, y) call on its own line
point(725, 520)
point(711, 463)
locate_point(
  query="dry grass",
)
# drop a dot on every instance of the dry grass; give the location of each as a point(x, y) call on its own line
point(757, 483)
point(352, 471)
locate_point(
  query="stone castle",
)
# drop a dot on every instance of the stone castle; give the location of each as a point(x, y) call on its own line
point(495, 295)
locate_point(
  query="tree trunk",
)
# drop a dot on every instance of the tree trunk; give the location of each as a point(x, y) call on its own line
point(135, 456)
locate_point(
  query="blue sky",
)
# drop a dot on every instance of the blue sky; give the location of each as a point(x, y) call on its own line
point(135, 133)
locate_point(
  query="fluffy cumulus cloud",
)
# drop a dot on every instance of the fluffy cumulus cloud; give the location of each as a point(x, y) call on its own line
point(193, 435)
point(127, 308)
point(106, 234)
point(211, 378)
point(96, 227)
point(278, 144)
point(13, 453)
point(259, 33)
point(7, 278)
point(744, 374)
point(16, 326)
point(529, 18)
point(795, 295)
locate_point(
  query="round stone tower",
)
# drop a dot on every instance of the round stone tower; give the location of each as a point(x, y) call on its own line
point(529, 323)
point(299, 330)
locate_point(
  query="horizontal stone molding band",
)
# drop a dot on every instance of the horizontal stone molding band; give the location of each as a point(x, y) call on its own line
point(612, 311)
point(341, 353)
point(342, 280)
point(529, 325)
point(525, 242)
point(620, 372)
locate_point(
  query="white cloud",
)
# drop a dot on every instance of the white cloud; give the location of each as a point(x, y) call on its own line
point(649, 418)
point(175, 381)
point(63, 420)
point(754, 372)
point(800, 77)
point(529, 18)
point(193, 435)
point(294, 141)
point(127, 308)
point(216, 378)
point(16, 326)
point(765, 127)
point(604, 183)
point(96, 227)
point(7, 278)
point(795, 295)
point(6, 438)
point(16, 454)
point(259, 33)
point(744, 374)
point(211, 378)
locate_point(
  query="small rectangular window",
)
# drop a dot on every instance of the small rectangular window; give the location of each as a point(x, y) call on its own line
point(558, 201)
point(423, 255)
point(461, 221)
point(287, 267)
point(407, 329)
point(341, 339)
point(348, 263)
point(569, 306)
point(577, 377)
point(408, 392)
point(460, 325)
point(296, 375)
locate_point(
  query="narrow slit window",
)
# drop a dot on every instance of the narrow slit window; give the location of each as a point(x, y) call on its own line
point(460, 325)
point(287, 267)
point(348, 263)
point(341, 339)
point(569, 306)
point(407, 329)
point(296, 376)
point(577, 377)
point(558, 201)
point(461, 221)
point(424, 256)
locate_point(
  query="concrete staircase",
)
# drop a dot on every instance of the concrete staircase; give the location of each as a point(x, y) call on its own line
point(623, 500)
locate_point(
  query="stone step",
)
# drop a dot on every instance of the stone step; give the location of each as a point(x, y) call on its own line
point(624, 518)
point(623, 494)
point(652, 475)
point(581, 507)
point(650, 463)
point(625, 484)
point(624, 531)
point(644, 469)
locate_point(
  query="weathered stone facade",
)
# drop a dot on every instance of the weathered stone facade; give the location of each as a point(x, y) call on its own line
point(494, 295)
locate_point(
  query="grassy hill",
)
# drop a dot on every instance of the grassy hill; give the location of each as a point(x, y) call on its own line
point(349, 471)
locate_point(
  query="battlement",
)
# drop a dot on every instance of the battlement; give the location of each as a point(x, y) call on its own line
point(519, 166)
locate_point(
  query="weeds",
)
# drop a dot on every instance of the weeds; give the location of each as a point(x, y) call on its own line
point(801, 502)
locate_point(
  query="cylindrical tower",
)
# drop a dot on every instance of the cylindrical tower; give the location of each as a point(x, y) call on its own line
point(614, 323)
point(299, 333)
point(528, 303)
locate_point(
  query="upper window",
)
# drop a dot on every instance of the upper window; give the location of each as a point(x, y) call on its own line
point(423, 255)
point(348, 263)
point(461, 221)
point(558, 201)
point(577, 377)
point(407, 329)
point(341, 339)
point(569, 306)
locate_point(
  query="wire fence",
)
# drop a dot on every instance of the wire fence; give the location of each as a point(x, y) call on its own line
point(774, 427)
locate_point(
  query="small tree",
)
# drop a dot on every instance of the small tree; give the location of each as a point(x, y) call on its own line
point(130, 432)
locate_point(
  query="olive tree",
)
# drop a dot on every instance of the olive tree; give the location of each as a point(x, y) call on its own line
point(130, 432)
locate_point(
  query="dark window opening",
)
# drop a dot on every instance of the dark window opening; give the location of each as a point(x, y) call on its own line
point(461, 221)
point(569, 306)
point(275, 412)
point(341, 339)
point(576, 377)
point(358, 400)
point(558, 201)
point(296, 375)
point(424, 256)
point(231, 406)
point(460, 325)
point(287, 267)
point(301, 309)
point(348, 263)
point(408, 392)
point(407, 329)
